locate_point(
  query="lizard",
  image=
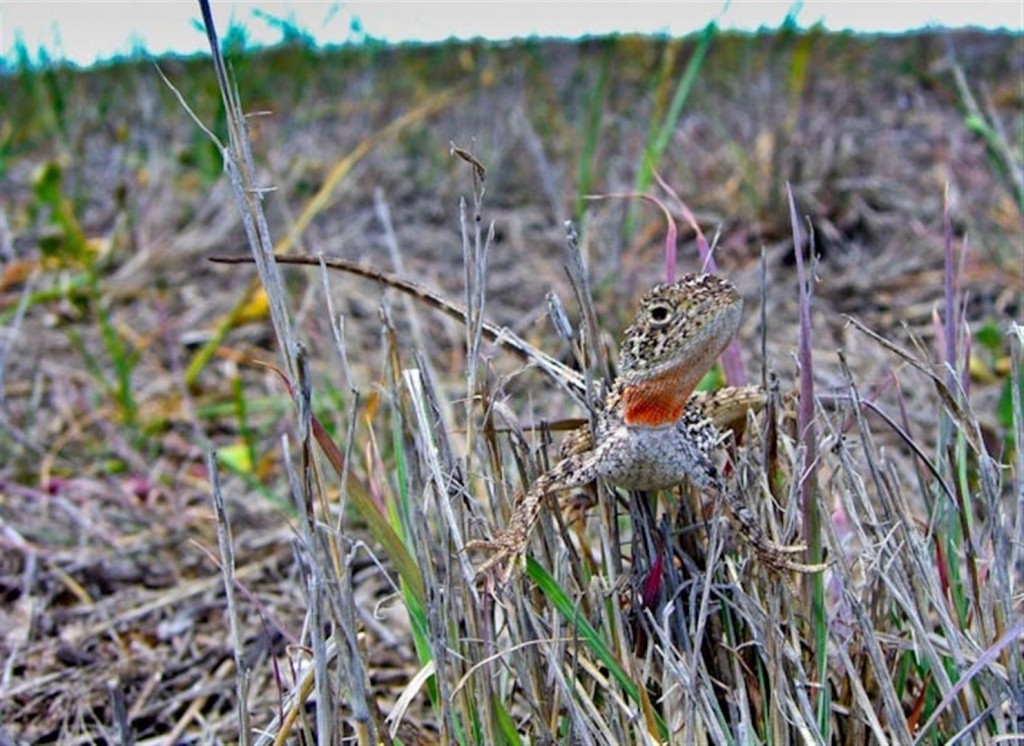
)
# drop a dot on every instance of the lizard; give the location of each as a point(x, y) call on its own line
point(653, 431)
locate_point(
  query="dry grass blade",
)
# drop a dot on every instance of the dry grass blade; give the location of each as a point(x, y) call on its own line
point(344, 166)
point(278, 730)
point(238, 162)
point(364, 503)
point(252, 210)
point(593, 355)
point(227, 553)
point(1012, 639)
point(964, 419)
point(557, 371)
point(441, 483)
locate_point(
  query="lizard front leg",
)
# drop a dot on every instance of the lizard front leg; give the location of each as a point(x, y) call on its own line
point(508, 546)
point(697, 436)
point(776, 557)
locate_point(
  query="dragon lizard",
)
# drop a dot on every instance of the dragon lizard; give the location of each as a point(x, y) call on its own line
point(653, 431)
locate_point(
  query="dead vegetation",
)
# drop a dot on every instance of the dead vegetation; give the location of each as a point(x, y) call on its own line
point(347, 493)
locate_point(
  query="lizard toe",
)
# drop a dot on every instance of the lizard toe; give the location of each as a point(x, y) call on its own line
point(505, 555)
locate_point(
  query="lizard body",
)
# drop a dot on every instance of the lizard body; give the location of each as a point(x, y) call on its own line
point(653, 432)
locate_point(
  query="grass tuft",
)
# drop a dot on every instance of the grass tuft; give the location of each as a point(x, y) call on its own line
point(323, 594)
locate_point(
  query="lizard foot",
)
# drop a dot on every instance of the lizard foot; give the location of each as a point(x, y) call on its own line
point(776, 557)
point(506, 552)
point(507, 549)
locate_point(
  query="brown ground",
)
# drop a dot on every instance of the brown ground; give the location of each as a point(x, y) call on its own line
point(108, 579)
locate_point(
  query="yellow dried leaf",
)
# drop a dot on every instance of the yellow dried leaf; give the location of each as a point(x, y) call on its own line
point(257, 308)
point(980, 372)
point(236, 457)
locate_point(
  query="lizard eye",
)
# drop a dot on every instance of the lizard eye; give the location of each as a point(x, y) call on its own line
point(659, 313)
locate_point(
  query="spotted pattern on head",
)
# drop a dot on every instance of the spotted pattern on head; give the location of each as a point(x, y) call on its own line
point(695, 311)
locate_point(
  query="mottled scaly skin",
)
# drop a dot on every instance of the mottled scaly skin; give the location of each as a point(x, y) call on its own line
point(653, 431)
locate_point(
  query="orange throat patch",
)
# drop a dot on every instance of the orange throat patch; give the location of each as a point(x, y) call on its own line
point(658, 402)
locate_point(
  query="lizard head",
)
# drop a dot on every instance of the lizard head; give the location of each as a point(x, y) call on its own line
point(678, 331)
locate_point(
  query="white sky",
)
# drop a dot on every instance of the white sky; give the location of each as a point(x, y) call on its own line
point(83, 31)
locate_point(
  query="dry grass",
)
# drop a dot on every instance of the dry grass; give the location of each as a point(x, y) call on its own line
point(346, 609)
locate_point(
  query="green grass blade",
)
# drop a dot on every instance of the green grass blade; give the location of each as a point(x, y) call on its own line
point(591, 637)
